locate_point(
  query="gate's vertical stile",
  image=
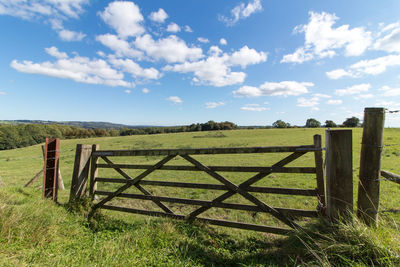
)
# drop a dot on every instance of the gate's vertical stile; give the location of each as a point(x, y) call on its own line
point(93, 172)
point(319, 166)
point(51, 165)
point(80, 174)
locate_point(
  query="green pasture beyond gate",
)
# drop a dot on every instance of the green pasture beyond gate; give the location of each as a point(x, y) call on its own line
point(19, 165)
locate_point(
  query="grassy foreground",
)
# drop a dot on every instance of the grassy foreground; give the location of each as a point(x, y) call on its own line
point(36, 232)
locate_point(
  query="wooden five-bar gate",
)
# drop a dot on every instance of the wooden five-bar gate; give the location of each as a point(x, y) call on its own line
point(244, 189)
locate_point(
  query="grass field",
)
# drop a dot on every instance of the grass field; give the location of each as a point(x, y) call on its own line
point(39, 232)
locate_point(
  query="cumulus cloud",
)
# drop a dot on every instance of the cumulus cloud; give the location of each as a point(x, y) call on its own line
point(131, 67)
point(322, 40)
point(241, 11)
point(53, 51)
point(322, 95)
point(353, 90)
point(71, 36)
point(175, 99)
point(334, 102)
point(173, 27)
point(124, 17)
point(145, 91)
point(187, 29)
point(171, 49)
point(203, 40)
point(390, 41)
point(285, 88)
point(127, 91)
point(2, 93)
point(216, 69)
point(388, 91)
point(363, 96)
point(223, 41)
point(214, 104)
point(120, 46)
point(160, 16)
point(367, 67)
point(312, 102)
point(253, 107)
point(77, 68)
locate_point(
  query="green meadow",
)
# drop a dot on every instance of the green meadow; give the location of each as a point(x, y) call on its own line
point(37, 232)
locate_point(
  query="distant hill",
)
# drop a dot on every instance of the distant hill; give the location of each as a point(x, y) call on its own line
point(82, 124)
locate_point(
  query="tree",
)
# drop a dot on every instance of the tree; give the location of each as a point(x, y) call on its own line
point(279, 124)
point(352, 122)
point(313, 123)
point(330, 124)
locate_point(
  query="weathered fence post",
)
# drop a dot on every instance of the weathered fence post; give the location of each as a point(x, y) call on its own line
point(339, 173)
point(51, 166)
point(93, 172)
point(81, 171)
point(370, 165)
point(319, 165)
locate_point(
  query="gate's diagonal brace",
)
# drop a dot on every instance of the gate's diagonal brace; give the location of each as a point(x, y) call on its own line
point(246, 184)
point(134, 181)
point(138, 186)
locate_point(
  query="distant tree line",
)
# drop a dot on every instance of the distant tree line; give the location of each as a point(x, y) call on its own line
point(313, 123)
point(22, 135)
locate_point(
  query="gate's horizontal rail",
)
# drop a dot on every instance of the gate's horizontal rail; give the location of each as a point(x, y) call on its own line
point(215, 168)
point(260, 228)
point(255, 189)
point(234, 206)
point(201, 151)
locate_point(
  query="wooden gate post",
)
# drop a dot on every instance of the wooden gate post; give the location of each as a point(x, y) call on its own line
point(81, 172)
point(93, 173)
point(51, 167)
point(339, 174)
point(370, 165)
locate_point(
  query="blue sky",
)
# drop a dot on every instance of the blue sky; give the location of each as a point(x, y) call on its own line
point(174, 62)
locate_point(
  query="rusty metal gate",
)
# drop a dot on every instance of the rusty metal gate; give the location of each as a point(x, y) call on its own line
point(243, 189)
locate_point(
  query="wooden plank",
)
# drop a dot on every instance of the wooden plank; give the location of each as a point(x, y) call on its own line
point(203, 151)
point(247, 183)
point(51, 165)
point(93, 171)
point(80, 174)
point(243, 193)
point(391, 176)
point(256, 189)
point(339, 174)
point(370, 165)
point(234, 206)
point(133, 182)
point(216, 168)
point(319, 165)
point(245, 226)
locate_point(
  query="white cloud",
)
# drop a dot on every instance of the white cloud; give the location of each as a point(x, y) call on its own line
point(77, 68)
point(353, 90)
point(363, 96)
point(339, 73)
point(390, 42)
point(145, 91)
point(71, 36)
point(368, 67)
point(203, 40)
point(3, 93)
point(172, 49)
point(175, 99)
point(216, 69)
point(223, 41)
point(253, 107)
point(124, 17)
point(214, 104)
point(131, 67)
point(388, 91)
point(322, 40)
point(388, 104)
point(173, 27)
point(308, 103)
point(127, 91)
point(285, 88)
point(42, 8)
point(241, 11)
point(188, 29)
point(160, 16)
point(121, 47)
point(53, 51)
point(322, 95)
point(334, 102)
